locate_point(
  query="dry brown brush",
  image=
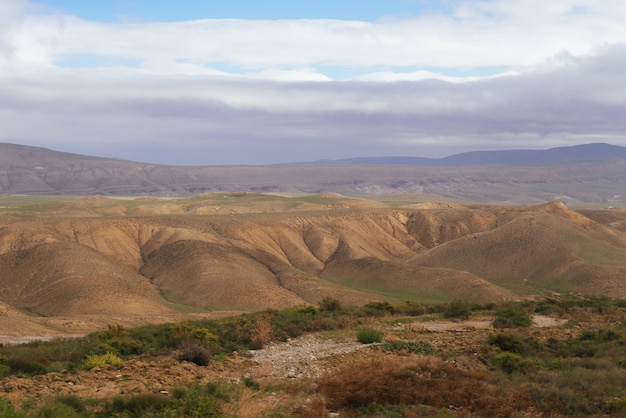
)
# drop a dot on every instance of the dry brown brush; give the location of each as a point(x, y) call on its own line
point(417, 381)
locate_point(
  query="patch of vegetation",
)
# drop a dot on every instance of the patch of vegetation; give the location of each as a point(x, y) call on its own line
point(381, 383)
point(512, 315)
point(410, 308)
point(552, 372)
point(369, 336)
point(510, 362)
point(457, 309)
point(329, 304)
point(194, 353)
point(402, 346)
point(250, 382)
point(140, 405)
point(102, 360)
point(378, 309)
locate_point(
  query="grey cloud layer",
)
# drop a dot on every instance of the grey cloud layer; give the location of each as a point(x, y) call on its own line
point(236, 91)
point(208, 120)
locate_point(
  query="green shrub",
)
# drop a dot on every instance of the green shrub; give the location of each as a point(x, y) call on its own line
point(457, 309)
point(369, 336)
point(102, 360)
point(600, 336)
point(512, 315)
point(197, 334)
point(72, 401)
point(509, 362)
point(414, 347)
point(7, 410)
point(139, 405)
point(410, 308)
point(194, 401)
point(250, 382)
point(58, 410)
point(550, 306)
point(506, 342)
point(378, 308)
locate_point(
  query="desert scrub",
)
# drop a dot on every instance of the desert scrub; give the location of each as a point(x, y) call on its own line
point(359, 386)
point(196, 334)
point(506, 342)
point(415, 347)
point(510, 362)
point(410, 308)
point(329, 304)
point(194, 353)
point(102, 360)
point(512, 315)
point(457, 309)
point(369, 336)
point(378, 309)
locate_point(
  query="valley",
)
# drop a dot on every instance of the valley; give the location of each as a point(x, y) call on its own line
point(71, 265)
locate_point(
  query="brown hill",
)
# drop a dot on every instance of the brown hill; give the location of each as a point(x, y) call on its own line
point(549, 247)
point(34, 170)
point(154, 258)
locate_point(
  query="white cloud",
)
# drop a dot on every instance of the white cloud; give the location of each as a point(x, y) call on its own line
point(498, 74)
point(504, 34)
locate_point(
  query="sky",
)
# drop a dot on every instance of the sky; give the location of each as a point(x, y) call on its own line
point(204, 82)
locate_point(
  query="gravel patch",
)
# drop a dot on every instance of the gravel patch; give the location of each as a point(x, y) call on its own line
point(299, 357)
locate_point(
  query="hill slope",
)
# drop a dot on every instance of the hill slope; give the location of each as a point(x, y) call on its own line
point(583, 175)
point(163, 261)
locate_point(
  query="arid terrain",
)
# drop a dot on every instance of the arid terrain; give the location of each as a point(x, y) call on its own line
point(71, 265)
point(592, 175)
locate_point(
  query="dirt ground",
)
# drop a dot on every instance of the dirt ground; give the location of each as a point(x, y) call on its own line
point(305, 359)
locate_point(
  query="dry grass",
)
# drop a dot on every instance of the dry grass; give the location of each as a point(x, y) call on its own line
point(411, 380)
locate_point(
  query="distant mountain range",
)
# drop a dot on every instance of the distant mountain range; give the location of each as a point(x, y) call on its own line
point(579, 175)
point(586, 152)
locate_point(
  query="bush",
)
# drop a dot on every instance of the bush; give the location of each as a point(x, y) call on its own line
point(408, 347)
point(27, 366)
point(410, 308)
point(102, 360)
point(194, 353)
point(7, 410)
point(58, 410)
point(512, 315)
point(600, 336)
point(329, 304)
point(506, 342)
point(197, 334)
point(457, 309)
point(378, 308)
point(72, 401)
point(369, 336)
point(509, 362)
point(381, 382)
point(139, 405)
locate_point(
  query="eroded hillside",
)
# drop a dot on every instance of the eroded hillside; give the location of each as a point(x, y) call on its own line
point(151, 257)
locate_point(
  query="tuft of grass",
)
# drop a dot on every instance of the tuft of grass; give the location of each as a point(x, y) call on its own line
point(250, 382)
point(102, 360)
point(369, 336)
point(402, 346)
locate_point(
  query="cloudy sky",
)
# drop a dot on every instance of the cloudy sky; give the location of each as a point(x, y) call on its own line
point(200, 82)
